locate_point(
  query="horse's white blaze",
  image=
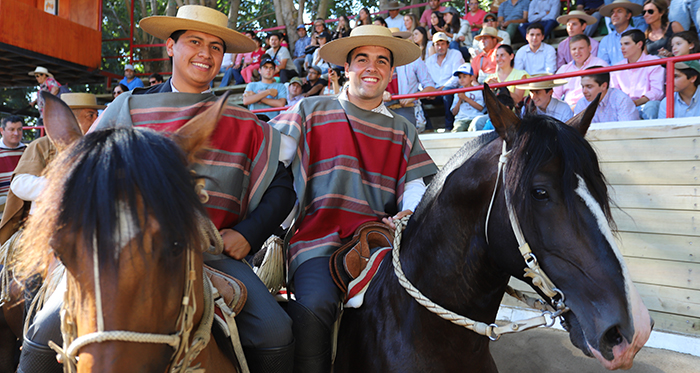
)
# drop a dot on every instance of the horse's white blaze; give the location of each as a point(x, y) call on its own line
point(127, 228)
point(624, 353)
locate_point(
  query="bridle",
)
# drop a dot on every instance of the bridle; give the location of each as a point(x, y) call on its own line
point(185, 352)
point(556, 308)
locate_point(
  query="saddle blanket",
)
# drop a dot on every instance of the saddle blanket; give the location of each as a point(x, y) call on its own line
point(358, 286)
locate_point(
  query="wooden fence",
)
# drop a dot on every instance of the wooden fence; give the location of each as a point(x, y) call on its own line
point(653, 168)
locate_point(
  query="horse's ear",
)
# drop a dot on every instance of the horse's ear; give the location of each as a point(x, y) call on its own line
point(59, 121)
point(503, 119)
point(583, 119)
point(193, 136)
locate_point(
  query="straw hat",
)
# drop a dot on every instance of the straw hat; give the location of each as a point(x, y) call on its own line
point(547, 84)
point(202, 19)
point(393, 5)
point(400, 34)
point(81, 101)
point(636, 9)
point(580, 14)
point(40, 70)
point(336, 52)
point(488, 31)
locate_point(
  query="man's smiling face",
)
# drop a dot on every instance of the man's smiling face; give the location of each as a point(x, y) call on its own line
point(197, 59)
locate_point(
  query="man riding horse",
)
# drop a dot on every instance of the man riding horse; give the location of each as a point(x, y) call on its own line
point(250, 192)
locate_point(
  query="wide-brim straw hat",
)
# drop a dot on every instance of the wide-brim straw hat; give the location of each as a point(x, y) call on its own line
point(488, 31)
point(202, 19)
point(636, 9)
point(580, 14)
point(400, 34)
point(81, 101)
point(40, 70)
point(547, 84)
point(404, 51)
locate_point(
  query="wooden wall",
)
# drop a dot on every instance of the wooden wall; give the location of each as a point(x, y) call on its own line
point(653, 168)
point(73, 35)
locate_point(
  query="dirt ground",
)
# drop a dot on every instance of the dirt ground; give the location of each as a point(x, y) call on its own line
point(550, 351)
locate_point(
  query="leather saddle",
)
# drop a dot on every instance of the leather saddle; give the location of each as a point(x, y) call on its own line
point(350, 260)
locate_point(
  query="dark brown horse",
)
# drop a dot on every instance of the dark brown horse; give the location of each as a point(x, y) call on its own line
point(121, 212)
point(454, 257)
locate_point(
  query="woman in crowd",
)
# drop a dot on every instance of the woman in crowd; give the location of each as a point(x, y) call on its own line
point(379, 21)
point(410, 21)
point(475, 16)
point(363, 18)
point(437, 24)
point(659, 31)
point(336, 81)
point(318, 61)
point(506, 73)
point(685, 42)
point(420, 37)
point(343, 29)
point(247, 72)
point(46, 83)
point(458, 30)
point(119, 89)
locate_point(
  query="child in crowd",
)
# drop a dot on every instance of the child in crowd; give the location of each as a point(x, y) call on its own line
point(686, 79)
point(294, 91)
point(685, 42)
point(467, 105)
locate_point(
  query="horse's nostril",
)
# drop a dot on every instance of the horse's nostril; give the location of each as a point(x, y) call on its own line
point(613, 337)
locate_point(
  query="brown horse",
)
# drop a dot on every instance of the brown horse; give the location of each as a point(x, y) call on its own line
point(535, 181)
point(121, 213)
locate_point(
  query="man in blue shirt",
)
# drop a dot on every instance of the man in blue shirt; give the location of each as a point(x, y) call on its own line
point(130, 80)
point(620, 13)
point(686, 79)
point(266, 93)
point(299, 48)
point(511, 14)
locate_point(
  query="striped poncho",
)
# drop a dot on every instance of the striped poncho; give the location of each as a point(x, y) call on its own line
point(351, 166)
point(242, 156)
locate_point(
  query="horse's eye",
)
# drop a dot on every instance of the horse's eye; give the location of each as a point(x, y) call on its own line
point(540, 194)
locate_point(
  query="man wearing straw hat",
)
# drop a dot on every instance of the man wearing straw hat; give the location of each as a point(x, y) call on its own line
point(394, 18)
point(544, 103)
point(250, 193)
point(620, 13)
point(354, 161)
point(484, 63)
point(46, 83)
point(575, 23)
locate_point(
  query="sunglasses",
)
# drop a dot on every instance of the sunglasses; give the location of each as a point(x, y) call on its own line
point(645, 11)
point(152, 81)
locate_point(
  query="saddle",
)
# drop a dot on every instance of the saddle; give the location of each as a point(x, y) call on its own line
point(350, 260)
point(231, 290)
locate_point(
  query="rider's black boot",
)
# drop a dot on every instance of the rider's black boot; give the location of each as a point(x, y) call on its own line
point(313, 340)
point(37, 358)
point(270, 360)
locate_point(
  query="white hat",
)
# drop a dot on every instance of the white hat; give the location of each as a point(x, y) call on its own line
point(40, 70)
point(465, 68)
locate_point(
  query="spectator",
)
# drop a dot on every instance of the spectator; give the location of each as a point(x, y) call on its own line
point(475, 16)
point(11, 149)
point(337, 80)
point(591, 8)
point(489, 21)
point(505, 99)
point(242, 60)
point(645, 85)
point(511, 14)
point(614, 106)
point(495, 5)
point(685, 85)
point(467, 105)
point(266, 93)
point(410, 21)
point(118, 89)
point(394, 18)
point(543, 12)
point(319, 28)
point(343, 28)
point(294, 91)
point(154, 79)
point(314, 84)
point(685, 42)
point(536, 57)
point(541, 95)
point(300, 48)
point(255, 57)
point(575, 22)
point(420, 37)
point(437, 24)
point(581, 48)
point(364, 17)
point(283, 60)
point(317, 60)
point(379, 21)
point(659, 31)
point(433, 6)
point(130, 80)
point(506, 73)
point(620, 13)
point(84, 106)
point(484, 63)
point(228, 62)
point(683, 13)
point(46, 83)
point(441, 65)
point(457, 29)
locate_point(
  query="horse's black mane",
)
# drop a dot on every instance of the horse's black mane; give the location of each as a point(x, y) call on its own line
point(143, 171)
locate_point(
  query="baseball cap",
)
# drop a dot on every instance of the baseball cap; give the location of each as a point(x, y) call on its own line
point(297, 80)
point(301, 26)
point(129, 67)
point(440, 36)
point(266, 60)
point(695, 65)
point(465, 68)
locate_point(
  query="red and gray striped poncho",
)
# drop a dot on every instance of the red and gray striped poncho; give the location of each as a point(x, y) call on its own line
point(350, 167)
point(243, 151)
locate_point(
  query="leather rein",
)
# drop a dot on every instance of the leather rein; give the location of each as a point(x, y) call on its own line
point(556, 308)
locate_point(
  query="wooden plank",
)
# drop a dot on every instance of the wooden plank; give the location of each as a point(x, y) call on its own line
point(664, 272)
point(668, 197)
point(658, 149)
point(659, 246)
point(656, 173)
point(687, 127)
point(685, 302)
point(676, 323)
point(657, 221)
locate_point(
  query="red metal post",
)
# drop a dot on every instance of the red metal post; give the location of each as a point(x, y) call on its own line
point(670, 102)
point(131, 34)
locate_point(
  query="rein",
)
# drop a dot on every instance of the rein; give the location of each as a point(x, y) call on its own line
point(533, 270)
point(185, 352)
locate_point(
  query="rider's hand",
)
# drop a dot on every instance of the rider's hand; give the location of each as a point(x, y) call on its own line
point(235, 245)
point(390, 221)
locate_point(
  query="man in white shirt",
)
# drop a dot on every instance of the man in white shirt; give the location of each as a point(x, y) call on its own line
point(441, 66)
point(394, 18)
point(536, 57)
